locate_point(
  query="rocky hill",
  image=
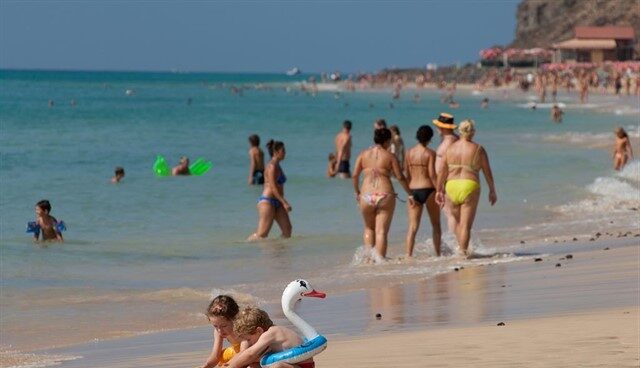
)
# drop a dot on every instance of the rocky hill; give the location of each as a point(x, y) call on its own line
point(543, 22)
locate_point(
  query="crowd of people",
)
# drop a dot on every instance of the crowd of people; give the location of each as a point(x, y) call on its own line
point(443, 180)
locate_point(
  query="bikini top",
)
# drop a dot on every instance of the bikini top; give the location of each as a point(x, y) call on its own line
point(472, 167)
point(281, 179)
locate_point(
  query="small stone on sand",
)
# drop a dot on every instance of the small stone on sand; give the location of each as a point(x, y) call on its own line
point(378, 316)
point(501, 324)
point(575, 239)
point(558, 265)
point(521, 241)
point(607, 248)
point(538, 260)
point(569, 256)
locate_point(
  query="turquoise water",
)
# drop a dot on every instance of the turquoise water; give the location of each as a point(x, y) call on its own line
point(151, 233)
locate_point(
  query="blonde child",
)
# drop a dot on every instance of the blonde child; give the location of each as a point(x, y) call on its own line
point(254, 326)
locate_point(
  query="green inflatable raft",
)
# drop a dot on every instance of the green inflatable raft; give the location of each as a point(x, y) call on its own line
point(197, 168)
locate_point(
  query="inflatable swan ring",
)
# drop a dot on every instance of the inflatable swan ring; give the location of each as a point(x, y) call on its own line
point(314, 343)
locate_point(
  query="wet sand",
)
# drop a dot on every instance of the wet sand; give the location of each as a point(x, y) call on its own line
point(581, 313)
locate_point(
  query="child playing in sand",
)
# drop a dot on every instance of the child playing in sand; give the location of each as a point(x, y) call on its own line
point(331, 166)
point(255, 326)
point(220, 313)
point(45, 224)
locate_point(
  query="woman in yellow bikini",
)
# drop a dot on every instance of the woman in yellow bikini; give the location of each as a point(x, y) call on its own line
point(376, 197)
point(461, 172)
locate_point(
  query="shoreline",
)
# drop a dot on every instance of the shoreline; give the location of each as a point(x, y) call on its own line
point(472, 298)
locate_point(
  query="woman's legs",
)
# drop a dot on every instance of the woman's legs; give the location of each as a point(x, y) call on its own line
point(369, 218)
point(414, 213)
point(434, 216)
point(384, 216)
point(266, 213)
point(282, 218)
point(467, 215)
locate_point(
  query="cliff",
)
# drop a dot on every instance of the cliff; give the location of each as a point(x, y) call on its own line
point(543, 22)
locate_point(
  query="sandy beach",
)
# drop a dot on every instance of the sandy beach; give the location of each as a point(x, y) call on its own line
point(582, 313)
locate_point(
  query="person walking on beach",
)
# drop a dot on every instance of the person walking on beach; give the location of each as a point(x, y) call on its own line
point(622, 151)
point(445, 124)
point(376, 196)
point(256, 161)
point(461, 173)
point(272, 205)
point(397, 144)
point(419, 166)
point(343, 150)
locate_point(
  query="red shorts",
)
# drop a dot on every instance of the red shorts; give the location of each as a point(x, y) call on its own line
point(307, 365)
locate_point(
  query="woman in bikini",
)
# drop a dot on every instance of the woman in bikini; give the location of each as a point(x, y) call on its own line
point(461, 172)
point(622, 151)
point(272, 205)
point(419, 166)
point(376, 197)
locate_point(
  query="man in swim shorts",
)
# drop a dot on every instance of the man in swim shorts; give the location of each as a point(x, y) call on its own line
point(343, 150)
point(445, 124)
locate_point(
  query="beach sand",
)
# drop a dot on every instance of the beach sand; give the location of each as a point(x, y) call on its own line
point(603, 338)
point(581, 314)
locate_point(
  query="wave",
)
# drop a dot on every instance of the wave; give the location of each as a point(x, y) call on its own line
point(617, 193)
point(15, 359)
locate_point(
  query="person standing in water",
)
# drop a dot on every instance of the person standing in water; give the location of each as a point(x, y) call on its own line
point(445, 124)
point(376, 196)
point(118, 175)
point(622, 151)
point(256, 161)
point(461, 173)
point(343, 150)
point(397, 144)
point(419, 166)
point(272, 205)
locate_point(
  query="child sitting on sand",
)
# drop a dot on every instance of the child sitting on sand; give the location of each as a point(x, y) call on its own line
point(221, 312)
point(45, 224)
point(331, 166)
point(254, 325)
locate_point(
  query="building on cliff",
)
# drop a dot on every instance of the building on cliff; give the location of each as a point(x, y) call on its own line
point(597, 44)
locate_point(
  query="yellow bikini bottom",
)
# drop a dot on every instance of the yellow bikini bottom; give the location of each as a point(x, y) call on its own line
point(459, 189)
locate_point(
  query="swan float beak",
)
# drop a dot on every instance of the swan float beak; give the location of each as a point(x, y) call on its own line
point(315, 294)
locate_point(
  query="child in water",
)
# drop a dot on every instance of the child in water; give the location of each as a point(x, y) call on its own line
point(331, 166)
point(220, 313)
point(254, 325)
point(46, 224)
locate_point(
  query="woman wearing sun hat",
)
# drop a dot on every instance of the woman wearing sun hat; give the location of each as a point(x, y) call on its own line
point(461, 173)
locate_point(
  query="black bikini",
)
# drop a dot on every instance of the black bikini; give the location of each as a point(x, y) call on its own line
point(421, 195)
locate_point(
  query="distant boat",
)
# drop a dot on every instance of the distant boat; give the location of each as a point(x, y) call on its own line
point(293, 71)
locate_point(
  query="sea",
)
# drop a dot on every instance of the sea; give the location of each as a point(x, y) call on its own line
point(147, 254)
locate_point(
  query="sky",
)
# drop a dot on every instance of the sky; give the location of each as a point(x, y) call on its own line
point(249, 36)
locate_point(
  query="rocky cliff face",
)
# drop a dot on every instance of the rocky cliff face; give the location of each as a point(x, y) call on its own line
point(543, 22)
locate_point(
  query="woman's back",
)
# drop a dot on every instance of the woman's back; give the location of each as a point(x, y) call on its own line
point(463, 160)
point(377, 165)
point(418, 160)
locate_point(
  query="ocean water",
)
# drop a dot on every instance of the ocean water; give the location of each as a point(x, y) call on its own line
point(152, 249)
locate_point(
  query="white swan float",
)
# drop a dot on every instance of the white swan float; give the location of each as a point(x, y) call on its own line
point(314, 343)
